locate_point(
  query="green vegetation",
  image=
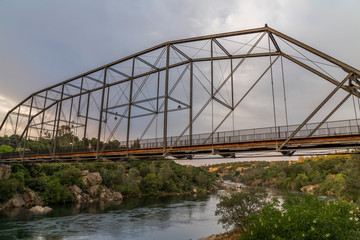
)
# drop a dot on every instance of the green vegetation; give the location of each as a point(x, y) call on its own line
point(337, 175)
point(234, 208)
point(130, 178)
point(66, 141)
point(297, 218)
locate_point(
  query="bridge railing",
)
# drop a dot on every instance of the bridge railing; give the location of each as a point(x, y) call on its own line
point(334, 128)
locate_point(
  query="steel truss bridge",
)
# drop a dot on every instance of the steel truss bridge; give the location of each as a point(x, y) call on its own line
point(202, 95)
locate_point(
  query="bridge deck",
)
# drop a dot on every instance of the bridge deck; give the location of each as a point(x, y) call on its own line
point(336, 134)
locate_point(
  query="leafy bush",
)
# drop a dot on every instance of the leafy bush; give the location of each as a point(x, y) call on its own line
point(5, 149)
point(150, 184)
point(304, 218)
point(236, 207)
point(38, 184)
point(57, 193)
point(69, 175)
point(8, 187)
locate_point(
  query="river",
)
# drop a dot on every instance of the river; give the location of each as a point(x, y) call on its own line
point(169, 217)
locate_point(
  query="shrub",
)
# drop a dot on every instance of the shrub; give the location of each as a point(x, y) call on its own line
point(8, 187)
point(57, 193)
point(38, 184)
point(306, 218)
point(150, 184)
point(234, 208)
point(5, 149)
point(69, 176)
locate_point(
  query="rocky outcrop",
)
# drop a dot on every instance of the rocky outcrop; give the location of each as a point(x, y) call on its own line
point(26, 199)
point(91, 178)
point(310, 188)
point(40, 209)
point(5, 171)
point(96, 191)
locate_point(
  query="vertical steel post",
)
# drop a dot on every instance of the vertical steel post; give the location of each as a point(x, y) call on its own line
point(157, 93)
point(232, 93)
point(166, 98)
point(28, 127)
point(107, 104)
point(212, 67)
point(81, 88)
point(87, 114)
point(58, 120)
point(130, 100)
point(101, 116)
point(55, 118)
point(157, 108)
point(191, 103)
point(43, 115)
point(232, 82)
point(212, 87)
point(17, 120)
point(71, 106)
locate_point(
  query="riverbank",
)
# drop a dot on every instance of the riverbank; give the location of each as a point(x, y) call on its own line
point(334, 175)
point(29, 185)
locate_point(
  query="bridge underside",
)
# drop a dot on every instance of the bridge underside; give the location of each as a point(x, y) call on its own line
point(224, 150)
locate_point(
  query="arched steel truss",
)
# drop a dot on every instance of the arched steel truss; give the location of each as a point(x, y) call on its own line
point(88, 97)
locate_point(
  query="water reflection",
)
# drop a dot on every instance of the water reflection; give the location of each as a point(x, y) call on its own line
point(171, 217)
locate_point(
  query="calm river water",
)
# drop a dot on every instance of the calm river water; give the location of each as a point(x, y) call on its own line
point(170, 217)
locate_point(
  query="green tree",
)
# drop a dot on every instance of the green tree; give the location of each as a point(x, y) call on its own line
point(8, 187)
point(150, 184)
point(236, 207)
point(57, 193)
point(5, 149)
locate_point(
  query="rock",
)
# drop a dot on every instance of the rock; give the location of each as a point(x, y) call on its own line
point(75, 189)
point(310, 188)
point(117, 196)
point(93, 191)
point(5, 171)
point(31, 198)
point(93, 178)
point(40, 209)
point(108, 194)
point(194, 191)
point(85, 172)
point(16, 201)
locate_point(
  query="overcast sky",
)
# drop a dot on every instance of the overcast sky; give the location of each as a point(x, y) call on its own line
point(43, 42)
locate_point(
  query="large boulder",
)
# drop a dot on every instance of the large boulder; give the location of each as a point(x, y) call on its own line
point(40, 209)
point(27, 198)
point(91, 178)
point(16, 201)
point(5, 171)
point(75, 189)
point(108, 194)
point(31, 198)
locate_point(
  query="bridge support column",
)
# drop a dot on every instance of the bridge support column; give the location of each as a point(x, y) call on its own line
point(129, 107)
point(101, 116)
point(166, 98)
point(57, 118)
point(191, 104)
